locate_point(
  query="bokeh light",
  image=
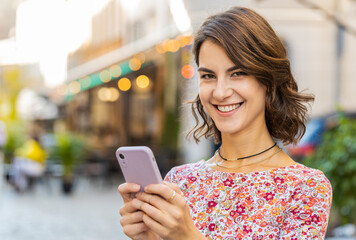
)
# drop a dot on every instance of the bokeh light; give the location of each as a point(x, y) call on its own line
point(124, 84)
point(102, 94)
point(187, 71)
point(108, 94)
point(187, 40)
point(141, 57)
point(105, 76)
point(115, 71)
point(134, 64)
point(85, 82)
point(114, 94)
point(142, 81)
point(74, 87)
point(165, 46)
point(159, 48)
point(173, 45)
point(179, 39)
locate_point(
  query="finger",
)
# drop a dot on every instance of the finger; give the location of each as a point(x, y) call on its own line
point(175, 187)
point(160, 189)
point(167, 193)
point(135, 229)
point(160, 218)
point(131, 218)
point(154, 200)
point(131, 207)
point(126, 190)
point(155, 226)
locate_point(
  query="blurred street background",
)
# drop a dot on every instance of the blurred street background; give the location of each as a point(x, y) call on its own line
point(79, 78)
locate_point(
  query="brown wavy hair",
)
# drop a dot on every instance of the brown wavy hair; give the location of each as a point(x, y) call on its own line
point(251, 43)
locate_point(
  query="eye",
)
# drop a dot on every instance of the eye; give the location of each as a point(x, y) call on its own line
point(239, 73)
point(207, 76)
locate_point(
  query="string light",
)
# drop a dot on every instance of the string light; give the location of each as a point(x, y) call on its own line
point(187, 71)
point(134, 64)
point(141, 57)
point(124, 84)
point(115, 71)
point(105, 76)
point(108, 94)
point(85, 82)
point(173, 45)
point(74, 87)
point(142, 81)
point(159, 48)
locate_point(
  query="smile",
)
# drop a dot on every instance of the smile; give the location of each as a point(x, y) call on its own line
point(228, 108)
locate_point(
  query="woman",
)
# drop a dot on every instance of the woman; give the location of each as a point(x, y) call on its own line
point(249, 189)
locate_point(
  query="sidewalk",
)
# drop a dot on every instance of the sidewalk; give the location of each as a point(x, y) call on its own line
point(91, 213)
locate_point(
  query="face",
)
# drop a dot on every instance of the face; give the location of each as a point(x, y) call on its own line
point(233, 99)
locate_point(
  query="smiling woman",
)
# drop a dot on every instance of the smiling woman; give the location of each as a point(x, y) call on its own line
point(249, 189)
point(253, 48)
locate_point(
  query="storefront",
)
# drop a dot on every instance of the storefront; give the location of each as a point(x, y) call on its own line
point(133, 102)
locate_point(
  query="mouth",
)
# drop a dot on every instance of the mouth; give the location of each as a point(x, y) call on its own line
point(228, 108)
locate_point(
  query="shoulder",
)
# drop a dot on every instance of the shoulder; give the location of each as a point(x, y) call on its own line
point(300, 173)
point(307, 182)
point(181, 172)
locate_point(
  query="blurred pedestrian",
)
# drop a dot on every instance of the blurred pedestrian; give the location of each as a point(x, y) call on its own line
point(250, 189)
point(29, 162)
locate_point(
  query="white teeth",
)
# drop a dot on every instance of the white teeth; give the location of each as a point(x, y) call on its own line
point(228, 108)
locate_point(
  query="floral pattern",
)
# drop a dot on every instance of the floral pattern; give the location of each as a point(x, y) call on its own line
point(290, 202)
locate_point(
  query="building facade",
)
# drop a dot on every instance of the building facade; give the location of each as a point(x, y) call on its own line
point(319, 35)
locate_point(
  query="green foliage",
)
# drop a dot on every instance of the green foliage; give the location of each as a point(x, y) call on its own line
point(15, 138)
point(69, 150)
point(171, 131)
point(336, 157)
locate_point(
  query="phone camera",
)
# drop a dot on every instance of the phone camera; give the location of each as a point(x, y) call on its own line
point(121, 156)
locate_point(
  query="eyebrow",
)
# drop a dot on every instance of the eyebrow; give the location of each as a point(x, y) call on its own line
point(203, 69)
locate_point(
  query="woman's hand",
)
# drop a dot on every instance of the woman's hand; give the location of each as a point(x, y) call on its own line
point(166, 212)
point(131, 215)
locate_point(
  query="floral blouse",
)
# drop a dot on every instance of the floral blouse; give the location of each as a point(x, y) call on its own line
point(290, 202)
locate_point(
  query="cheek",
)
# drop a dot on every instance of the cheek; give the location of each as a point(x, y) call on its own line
point(203, 93)
point(204, 98)
point(256, 91)
point(261, 100)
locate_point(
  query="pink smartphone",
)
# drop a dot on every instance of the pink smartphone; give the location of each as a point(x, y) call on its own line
point(138, 165)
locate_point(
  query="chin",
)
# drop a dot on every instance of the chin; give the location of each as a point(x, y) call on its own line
point(226, 129)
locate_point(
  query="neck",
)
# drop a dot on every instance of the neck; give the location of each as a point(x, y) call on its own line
point(244, 144)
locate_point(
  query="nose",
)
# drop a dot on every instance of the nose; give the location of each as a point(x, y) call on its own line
point(222, 90)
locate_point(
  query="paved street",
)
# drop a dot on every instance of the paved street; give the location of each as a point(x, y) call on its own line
point(91, 213)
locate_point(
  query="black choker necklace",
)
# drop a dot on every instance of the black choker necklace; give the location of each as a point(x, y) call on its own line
point(247, 156)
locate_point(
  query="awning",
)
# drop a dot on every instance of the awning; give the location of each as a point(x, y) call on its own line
point(112, 65)
point(98, 78)
point(121, 53)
